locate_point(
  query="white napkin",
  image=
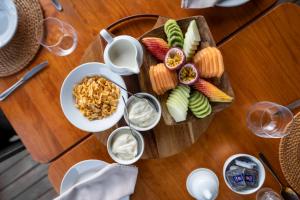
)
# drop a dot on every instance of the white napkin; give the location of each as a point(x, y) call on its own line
point(198, 3)
point(112, 182)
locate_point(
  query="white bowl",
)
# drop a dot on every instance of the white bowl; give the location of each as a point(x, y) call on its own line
point(155, 102)
point(140, 141)
point(261, 173)
point(203, 183)
point(8, 21)
point(80, 172)
point(67, 100)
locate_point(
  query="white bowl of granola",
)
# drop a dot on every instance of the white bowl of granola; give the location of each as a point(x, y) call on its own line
point(89, 98)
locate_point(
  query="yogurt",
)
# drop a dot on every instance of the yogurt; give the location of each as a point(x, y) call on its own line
point(124, 146)
point(142, 113)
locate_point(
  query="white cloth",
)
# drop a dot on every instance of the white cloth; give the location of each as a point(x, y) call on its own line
point(112, 182)
point(198, 3)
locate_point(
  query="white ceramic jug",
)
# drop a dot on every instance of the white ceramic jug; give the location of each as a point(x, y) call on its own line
point(122, 53)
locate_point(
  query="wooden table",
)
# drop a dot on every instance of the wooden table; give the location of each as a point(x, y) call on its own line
point(263, 64)
point(34, 110)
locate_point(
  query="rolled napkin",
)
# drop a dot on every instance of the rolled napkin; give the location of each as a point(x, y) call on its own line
point(112, 182)
point(198, 3)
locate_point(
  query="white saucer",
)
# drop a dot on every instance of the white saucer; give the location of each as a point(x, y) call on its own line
point(82, 171)
point(231, 3)
point(8, 21)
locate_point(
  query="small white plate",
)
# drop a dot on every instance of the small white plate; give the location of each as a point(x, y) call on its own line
point(231, 3)
point(82, 171)
point(8, 21)
point(67, 100)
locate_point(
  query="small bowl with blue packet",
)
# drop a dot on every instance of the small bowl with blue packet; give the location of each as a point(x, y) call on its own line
point(243, 174)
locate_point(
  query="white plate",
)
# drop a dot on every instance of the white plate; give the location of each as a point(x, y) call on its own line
point(67, 100)
point(231, 3)
point(82, 171)
point(8, 21)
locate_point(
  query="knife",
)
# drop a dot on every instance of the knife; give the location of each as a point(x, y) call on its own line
point(57, 5)
point(25, 78)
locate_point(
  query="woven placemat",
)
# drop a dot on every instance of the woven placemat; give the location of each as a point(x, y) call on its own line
point(23, 47)
point(289, 155)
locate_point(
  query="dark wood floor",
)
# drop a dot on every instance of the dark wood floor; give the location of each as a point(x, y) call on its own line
point(23, 179)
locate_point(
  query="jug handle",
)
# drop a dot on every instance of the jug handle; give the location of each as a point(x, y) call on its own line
point(106, 36)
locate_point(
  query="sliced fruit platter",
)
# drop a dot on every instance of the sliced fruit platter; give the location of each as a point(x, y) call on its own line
point(185, 70)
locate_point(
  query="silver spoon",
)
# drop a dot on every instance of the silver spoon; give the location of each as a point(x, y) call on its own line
point(286, 192)
point(135, 95)
point(132, 132)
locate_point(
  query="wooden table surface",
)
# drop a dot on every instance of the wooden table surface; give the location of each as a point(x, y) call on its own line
point(34, 110)
point(263, 64)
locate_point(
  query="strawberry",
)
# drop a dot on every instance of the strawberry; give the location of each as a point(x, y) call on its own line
point(212, 92)
point(157, 47)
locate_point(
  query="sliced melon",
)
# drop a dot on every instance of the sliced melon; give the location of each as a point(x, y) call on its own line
point(176, 113)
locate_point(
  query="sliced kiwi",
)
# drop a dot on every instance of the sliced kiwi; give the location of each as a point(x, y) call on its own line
point(174, 39)
point(175, 31)
point(204, 114)
point(169, 23)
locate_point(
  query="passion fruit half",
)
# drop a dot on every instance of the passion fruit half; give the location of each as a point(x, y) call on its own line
point(174, 58)
point(188, 74)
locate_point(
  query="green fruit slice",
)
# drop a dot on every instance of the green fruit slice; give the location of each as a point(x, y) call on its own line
point(175, 30)
point(174, 39)
point(179, 94)
point(185, 90)
point(204, 114)
point(169, 23)
point(172, 25)
point(179, 98)
point(199, 104)
point(201, 108)
point(177, 44)
point(178, 104)
point(194, 96)
point(199, 101)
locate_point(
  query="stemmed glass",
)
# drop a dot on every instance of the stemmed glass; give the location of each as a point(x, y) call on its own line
point(267, 194)
point(58, 37)
point(269, 120)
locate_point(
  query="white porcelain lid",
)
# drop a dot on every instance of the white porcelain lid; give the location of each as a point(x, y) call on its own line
point(203, 184)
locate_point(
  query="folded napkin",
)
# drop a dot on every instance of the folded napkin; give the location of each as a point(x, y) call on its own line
point(112, 182)
point(198, 3)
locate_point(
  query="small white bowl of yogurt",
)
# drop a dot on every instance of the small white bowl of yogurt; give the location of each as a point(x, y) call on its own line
point(144, 111)
point(124, 147)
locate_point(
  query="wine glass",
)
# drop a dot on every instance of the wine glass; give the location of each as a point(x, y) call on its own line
point(58, 37)
point(269, 120)
point(267, 194)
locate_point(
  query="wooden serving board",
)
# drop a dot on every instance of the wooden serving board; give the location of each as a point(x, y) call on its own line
point(206, 40)
point(167, 138)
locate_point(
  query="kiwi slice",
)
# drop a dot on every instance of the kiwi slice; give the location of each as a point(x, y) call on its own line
point(200, 108)
point(174, 39)
point(167, 29)
point(177, 44)
point(198, 103)
point(205, 114)
point(169, 23)
point(175, 30)
point(194, 96)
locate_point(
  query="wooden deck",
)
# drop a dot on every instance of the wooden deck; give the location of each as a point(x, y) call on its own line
point(21, 178)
